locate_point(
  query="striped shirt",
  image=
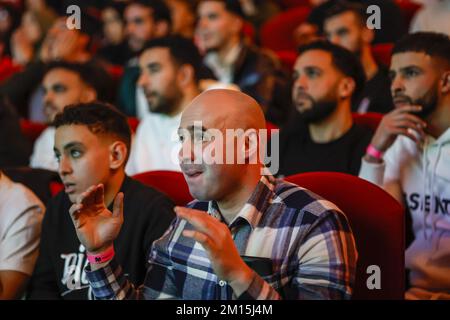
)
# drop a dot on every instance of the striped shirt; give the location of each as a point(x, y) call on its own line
point(299, 245)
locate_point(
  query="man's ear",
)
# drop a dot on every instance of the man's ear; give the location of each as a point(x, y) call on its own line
point(251, 146)
point(445, 82)
point(162, 28)
point(238, 24)
point(346, 87)
point(89, 94)
point(118, 152)
point(185, 75)
point(367, 35)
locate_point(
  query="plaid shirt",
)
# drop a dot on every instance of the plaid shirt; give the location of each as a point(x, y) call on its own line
point(299, 245)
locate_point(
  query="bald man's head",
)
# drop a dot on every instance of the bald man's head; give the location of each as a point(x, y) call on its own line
point(220, 134)
point(222, 108)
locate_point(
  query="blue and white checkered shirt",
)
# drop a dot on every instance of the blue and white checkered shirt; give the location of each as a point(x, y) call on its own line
point(299, 245)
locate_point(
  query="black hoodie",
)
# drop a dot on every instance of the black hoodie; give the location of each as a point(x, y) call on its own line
point(59, 271)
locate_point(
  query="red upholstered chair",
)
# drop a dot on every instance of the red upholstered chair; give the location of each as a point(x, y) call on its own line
point(287, 58)
point(249, 31)
point(115, 72)
point(172, 183)
point(31, 130)
point(270, 126)
point(277, 32)
point(133, 123)
point(382, 53)
point(377, 221)
point(294, 3)
point(368, 119)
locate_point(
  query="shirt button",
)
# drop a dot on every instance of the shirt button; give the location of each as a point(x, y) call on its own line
point(222, 283)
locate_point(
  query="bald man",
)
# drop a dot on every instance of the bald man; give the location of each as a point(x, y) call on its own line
point(247, 236)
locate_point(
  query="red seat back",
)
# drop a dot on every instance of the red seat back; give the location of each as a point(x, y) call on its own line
point(287, 58)
point(171, 183)
point(382, 53)
point(377, 221)
point(294, 3)
point(277, 32)
point(369, 119)
point(31, 130)
point(133, 123)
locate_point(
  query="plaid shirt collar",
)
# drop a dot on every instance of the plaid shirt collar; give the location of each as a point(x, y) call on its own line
point(255, 206)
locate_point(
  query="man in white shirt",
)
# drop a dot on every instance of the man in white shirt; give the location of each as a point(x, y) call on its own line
point(64, 83)
point(415, 168)
point(169, 79)
point(21, 214)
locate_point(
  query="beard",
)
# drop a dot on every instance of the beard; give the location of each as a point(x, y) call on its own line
point(165, 104)
point(318, 110)
point(428, 102)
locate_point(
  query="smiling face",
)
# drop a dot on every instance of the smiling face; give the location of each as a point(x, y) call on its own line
point(219, 110)
point(83, 157)
point(415, 80)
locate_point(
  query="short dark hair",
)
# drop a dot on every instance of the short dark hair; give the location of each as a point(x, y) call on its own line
point(161, 11)
point(431, 43)
point(99, 117)
point(233, 6)
point(343, 59)
point(182, 51)
point(342, 6)
point(91, 74)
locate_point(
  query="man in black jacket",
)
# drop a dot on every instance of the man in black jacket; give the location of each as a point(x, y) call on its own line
point(91, 145)
point(232, 60)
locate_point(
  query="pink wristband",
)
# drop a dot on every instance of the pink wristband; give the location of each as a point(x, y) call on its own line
point(101, 257)
point(374, 152)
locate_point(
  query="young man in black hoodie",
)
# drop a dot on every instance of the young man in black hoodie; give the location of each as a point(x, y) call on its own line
point(92, 143)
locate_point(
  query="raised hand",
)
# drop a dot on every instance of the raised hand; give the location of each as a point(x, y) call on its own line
point(95, 225)
point(401, 121)
point(216, 239)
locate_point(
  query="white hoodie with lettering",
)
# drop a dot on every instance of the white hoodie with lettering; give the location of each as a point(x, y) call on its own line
point(423, 173)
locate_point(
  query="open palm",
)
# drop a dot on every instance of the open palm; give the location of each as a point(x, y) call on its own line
point(96, 226)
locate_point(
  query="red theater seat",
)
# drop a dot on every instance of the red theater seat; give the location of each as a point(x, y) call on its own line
point(377, 221)
point(31, 130)
point(287, 58)
point(133, 123)
point(277, 32)
point(171, 183)
point(368, 119)
point(409, 9)
point(294, 3)
point(382, 53)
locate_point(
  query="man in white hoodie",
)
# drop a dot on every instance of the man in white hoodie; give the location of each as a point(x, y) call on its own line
point(409, 157)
